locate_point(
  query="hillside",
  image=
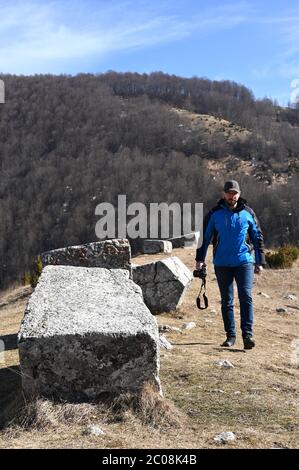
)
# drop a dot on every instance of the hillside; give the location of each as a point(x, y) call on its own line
point(212, 130)
point(69, 143)
point(257, 399)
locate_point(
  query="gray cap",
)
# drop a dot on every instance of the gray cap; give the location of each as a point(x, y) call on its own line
point(231, 185)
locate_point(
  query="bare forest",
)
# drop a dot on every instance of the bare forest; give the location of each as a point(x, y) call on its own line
point(68, 143)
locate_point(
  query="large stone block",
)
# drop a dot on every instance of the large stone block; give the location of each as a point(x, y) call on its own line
point(111, 254)
point(87, 332)
point(188, 240)
point(156, 246)
point(163, 283)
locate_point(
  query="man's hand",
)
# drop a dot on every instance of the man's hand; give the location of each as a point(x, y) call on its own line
point(258, 269)
point(199, 265)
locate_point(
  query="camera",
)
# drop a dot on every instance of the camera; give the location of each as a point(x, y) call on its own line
point(201, 273)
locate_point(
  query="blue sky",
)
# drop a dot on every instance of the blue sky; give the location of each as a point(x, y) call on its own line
point(251, 42)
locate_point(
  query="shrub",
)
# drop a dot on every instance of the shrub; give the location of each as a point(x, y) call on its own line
point(291, 251)
point(37, 270)
point(26, 279)
point(38, 266)
point(283, 258)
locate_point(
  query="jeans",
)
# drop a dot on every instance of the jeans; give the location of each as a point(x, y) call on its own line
point(243, 275)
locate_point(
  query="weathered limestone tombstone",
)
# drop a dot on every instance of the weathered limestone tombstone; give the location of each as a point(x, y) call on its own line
point(111, 254)
point(163, 283)
point(189, 240)
point(156, 246)
point(87, 332)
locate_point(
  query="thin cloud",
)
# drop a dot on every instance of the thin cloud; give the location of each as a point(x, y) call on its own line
point(285, 63)
point(39, 37)
point(277, 19)
point(33, 34)
point(283, 70)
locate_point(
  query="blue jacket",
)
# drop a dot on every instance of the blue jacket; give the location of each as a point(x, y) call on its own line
point(235, 235)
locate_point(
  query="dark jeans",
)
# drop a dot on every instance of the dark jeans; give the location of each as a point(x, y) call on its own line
point(244, 278)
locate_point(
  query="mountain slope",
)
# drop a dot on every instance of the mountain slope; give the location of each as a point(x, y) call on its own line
point(70, 143)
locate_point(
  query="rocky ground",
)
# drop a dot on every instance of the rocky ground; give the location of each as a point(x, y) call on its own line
point(205, 126)
point(256, 399)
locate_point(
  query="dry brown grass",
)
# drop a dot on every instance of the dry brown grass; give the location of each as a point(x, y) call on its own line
point(146, 411)
point(257, 400)
point(148, 406)
point(154, 410)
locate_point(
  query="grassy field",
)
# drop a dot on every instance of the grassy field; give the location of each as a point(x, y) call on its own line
point(257, 399)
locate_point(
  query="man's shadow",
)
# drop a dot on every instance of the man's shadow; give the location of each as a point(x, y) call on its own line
point(210, 344)
point(191, 344)
point(231, 350)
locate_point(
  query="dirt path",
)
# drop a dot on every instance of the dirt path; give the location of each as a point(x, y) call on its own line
point(257, 399)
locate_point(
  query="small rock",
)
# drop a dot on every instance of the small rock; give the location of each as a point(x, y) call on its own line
point(225, 437)
point(93, 431)
point(213, 311)
point(282, 310)
point(264, 295)
point(237, 392)
point(167, 328)
point(208, 321)
point(290, 297)
point(216, 390)
point(164, 343)
point(224, 363)
point(189, 326)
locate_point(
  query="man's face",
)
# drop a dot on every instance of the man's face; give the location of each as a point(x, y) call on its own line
point(231, 197)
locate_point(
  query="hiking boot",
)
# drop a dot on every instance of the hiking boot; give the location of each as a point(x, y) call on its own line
point(248, 341)
point(230, 341)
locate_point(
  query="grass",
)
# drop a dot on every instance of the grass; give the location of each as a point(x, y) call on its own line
point(257, 399)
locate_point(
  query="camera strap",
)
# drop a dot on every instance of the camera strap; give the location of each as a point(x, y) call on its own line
point(205, 298)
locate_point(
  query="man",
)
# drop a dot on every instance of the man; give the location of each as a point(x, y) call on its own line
point(232, 226)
